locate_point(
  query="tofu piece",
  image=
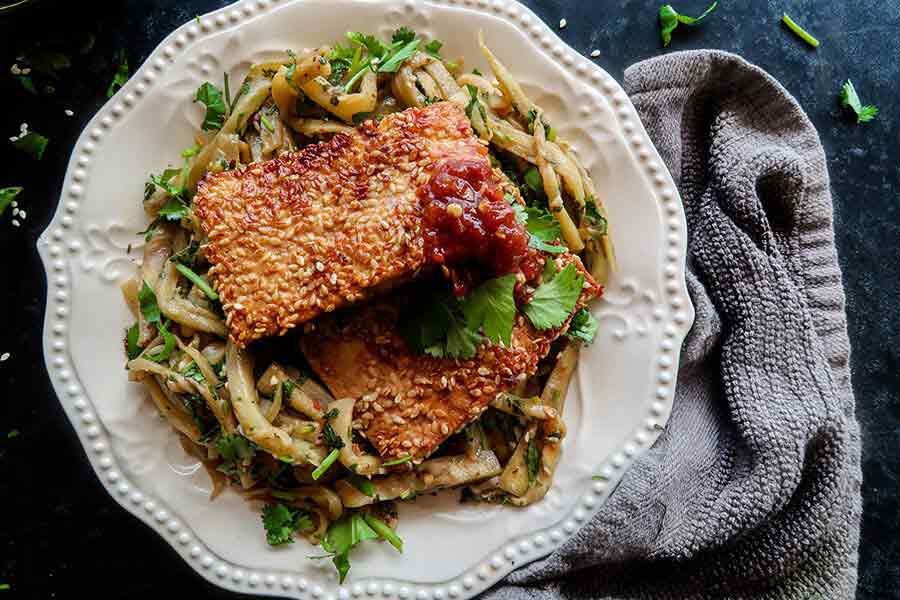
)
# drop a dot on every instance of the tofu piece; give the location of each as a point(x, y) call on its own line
point(408, 404)
point(330, 225)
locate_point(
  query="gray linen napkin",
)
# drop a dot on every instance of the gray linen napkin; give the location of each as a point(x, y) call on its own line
point(753, 489)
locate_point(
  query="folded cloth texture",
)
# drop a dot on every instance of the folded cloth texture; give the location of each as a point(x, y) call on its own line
point(753, 489)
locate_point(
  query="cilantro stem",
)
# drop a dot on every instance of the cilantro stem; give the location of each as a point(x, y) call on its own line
point(228, 104)
point(326, 464)
point(348, 87)
point(382, 529)
point(397, 461)
point(267, 123)
point(802, 33)
point(198, 281)
point(283, 495)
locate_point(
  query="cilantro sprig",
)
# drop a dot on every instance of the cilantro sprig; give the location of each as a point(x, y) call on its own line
point(850, 99)
point(152, 314)
point(32, 144)
point(121, 74)
point(380, 56)
point(553, 301)
point(669, 19)
point(799, 31)
point(583, 326)
point(281, 522)
point(212, 98)
point(349, 531)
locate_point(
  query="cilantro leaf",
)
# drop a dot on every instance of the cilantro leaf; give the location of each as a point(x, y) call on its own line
point(597, 224)
point(342, 536)
point(121, 75)
point(534, 181)
point(174, 210)
point(363, 484)
point(544, 229)
point(434, 47)
point(549, 271)
point(583, 326)
point(233, 447)
point(850, 99)
point(148, 304)
point(168, 344)
point(491, 306)
point(28, 84)
point(553, 301)
point(282, 521)
point(393, 62)
point(669, 20)
point(532, 461)
point(7, 195)
point(376, 47)
point(462, 342)
point(132, 350)
point(211, 97)
point(404, 35)
point(32, 144)
point(384, 531)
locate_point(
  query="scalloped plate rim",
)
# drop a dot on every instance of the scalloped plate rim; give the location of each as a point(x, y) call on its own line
point(284, 585)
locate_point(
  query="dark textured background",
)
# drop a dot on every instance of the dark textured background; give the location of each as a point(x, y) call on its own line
point(61, 536)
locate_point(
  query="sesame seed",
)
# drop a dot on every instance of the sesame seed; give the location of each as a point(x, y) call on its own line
point(15, 222)
point(22, 213)
point(563, 23)
point(595, 53)
point(69, 113)
point(4, 357)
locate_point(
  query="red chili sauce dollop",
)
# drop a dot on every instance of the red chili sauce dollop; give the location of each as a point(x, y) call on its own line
point(467, 219)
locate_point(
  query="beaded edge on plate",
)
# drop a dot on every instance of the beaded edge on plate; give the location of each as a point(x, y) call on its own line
point(52, 245)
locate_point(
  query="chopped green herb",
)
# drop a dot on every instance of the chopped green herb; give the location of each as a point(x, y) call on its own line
point(7, 195)
point(597, 224)
point(168, 343)
point(189, 152)
point(197, 280)
point(32, 144)
point(384, 531)
point(192, 371)
point(532, 461)
point(121, 75)
point(28, 84)
point(404, 35)
point(226, 88)
point(132, 350)
point(583, 326)
point(234, 447)
point(282, 521)
point(397, 461)
point(326, 464)
point(148, 304)
point(534, 180)
point(544, 230)
point(393, 61)
point(266, 123)
point(491, 306)
point(850, 99)
point(669, 19)
point(211, 97)
point(599, 478)
point(549, 271)
point(342, 536)
point(802, 33)
point(434, 47)
point(363, 484)
point(476, 71)
point(5, 586)
point(12, 434)
point(174, 210)
point(553, 301)
point(475, 104)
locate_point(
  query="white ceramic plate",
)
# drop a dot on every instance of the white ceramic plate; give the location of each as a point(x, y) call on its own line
point(623, 390)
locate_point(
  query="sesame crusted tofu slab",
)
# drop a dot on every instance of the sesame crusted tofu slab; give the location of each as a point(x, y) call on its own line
point(408, 404)
point(312, 231)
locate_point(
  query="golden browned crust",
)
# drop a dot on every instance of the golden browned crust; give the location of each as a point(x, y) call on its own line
point(408, 404)
point(309, 232)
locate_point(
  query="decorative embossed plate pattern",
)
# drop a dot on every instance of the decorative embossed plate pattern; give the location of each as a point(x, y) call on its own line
point(616, 405)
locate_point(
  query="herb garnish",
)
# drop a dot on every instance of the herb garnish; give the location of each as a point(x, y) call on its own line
point(553, 301)
point(132, 350)
point(150, 311)
point(532, 461)
point(33, 144)
point(669, 20)
point(397, 461)
point(197, 280)
point(342, 536)
point(363, 484)
point(211, 97)
point(7, 195)
point(121, 75)
point(850, 99)
point(583, 326)
point(333, 441)
point(282, 521)
point(802, 33)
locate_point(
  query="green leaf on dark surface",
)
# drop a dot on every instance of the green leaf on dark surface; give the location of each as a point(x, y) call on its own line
point(669, 19)
point(121, 74)
point(850, 99)
point(32, 144)
point(7, 195)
